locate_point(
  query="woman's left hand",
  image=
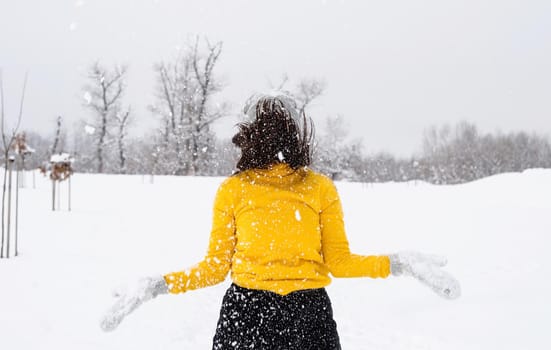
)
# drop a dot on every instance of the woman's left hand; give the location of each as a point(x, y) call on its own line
point(427, 269)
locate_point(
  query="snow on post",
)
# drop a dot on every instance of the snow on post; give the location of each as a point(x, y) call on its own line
point(61, 170)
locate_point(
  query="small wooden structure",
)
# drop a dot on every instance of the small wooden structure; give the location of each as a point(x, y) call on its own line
point(61, 170)
point(23, 150)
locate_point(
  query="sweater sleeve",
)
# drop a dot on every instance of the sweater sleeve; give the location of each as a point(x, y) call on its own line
point(214, 268)
point(335, 248)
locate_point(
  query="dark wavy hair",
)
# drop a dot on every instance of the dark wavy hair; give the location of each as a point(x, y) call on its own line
point(274, 136)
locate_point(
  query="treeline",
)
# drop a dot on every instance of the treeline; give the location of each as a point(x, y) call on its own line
point(450, 155)
point(186, 103)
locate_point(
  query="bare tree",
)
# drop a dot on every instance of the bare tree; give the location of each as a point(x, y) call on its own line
point(330, 154)
point(308, 90)
point(336, 156)
point(59, 137)
point(203, 68)
point(304, 92)
point(281, 84)
point(7, 143)
point(461, 154)
point(184, 93)
point(123, 121)
point(174, 92)
point(103, 94)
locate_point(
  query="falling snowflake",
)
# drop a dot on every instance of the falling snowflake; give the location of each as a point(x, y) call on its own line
point(280, 156)
point(297, 215)
point(87, 97)
point(73, 26)
point(89, 129)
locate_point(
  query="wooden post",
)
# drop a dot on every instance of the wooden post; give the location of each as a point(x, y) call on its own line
point(69, 193)
point(3, 213)
point(21, 172)
point(61, 170)
point(11, 159)
point(53, 195)
point(58, 190)
point(17, 211)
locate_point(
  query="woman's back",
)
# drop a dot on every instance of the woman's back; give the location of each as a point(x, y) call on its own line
point(278, 229)
point(277, 220)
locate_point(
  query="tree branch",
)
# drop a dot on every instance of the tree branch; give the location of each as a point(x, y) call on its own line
point(2, 108)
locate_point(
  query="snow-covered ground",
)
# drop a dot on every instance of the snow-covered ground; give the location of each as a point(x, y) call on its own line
point(496, 233)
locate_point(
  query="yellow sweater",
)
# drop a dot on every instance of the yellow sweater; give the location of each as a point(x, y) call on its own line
point(280, 230)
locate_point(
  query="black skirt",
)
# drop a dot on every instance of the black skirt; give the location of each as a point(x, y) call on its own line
point(259, 319)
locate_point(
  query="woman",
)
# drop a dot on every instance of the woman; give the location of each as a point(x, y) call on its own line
point(278, 227)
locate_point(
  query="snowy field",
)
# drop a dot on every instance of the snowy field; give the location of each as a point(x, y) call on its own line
point(496, 233)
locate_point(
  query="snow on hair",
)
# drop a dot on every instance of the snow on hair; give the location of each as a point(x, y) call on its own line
point(275, 132)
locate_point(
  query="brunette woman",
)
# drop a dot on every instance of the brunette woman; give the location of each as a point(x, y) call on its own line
point(278, 228)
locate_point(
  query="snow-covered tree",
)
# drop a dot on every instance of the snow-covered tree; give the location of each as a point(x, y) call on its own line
point(184, 104)
point(123, 120)
point(462, 153)
point(103, 94)
point(330, 153)
point(59, 137)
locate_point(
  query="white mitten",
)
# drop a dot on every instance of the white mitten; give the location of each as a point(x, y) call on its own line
point(145, 289)
point(426, 269)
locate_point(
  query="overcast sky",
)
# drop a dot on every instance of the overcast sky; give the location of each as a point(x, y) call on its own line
point(392, 67)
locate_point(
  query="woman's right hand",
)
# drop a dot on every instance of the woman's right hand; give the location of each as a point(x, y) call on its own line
point(129, 300)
